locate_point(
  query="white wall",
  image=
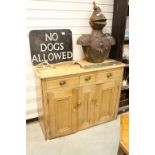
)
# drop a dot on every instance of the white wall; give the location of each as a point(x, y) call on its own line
point(63, 14)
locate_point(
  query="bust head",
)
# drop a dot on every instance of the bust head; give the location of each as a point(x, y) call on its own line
point(97, 19)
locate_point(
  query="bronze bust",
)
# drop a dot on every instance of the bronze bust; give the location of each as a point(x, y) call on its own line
point(97, 45)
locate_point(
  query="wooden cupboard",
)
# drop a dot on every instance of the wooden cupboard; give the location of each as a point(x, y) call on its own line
point(74, 98)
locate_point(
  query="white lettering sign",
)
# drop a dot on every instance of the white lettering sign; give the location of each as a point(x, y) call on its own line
point(52, 56)
point(51, 37)
point(51, 45)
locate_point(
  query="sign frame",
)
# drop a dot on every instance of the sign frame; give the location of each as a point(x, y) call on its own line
point(52, 45)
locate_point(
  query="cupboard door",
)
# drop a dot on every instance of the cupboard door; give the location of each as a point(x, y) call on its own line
point(106, 101)
point(62, 111)
point(86, 98)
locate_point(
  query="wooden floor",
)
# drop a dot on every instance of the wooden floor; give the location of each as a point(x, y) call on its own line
point(124, 134)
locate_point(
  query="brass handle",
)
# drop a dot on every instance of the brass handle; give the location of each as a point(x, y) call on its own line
point(63, 82)
point(88, 78)
point(109, 75)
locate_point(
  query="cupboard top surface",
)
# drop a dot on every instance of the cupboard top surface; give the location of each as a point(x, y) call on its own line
point(78, 67)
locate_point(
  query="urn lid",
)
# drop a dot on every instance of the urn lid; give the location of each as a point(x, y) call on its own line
point(97, 15)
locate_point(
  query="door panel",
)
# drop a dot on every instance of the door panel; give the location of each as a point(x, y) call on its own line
point(63, 115)
point(61, 109)
point(86, 98)
point(106, 101)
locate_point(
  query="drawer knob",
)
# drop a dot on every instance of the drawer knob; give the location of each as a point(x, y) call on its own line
point(62, 82)
point(88, 78)
point(109, 75)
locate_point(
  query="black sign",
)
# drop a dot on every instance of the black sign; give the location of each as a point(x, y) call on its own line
point(51, 45)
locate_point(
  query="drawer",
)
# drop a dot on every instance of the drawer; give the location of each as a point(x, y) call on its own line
point(109, 74)
point(84, 79)
point(62, 82)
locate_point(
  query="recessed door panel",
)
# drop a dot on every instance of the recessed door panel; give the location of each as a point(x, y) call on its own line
point(106, 101)
point(61, 106)
point(86, 98)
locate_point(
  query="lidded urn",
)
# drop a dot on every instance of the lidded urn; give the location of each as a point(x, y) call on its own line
point(96, 46)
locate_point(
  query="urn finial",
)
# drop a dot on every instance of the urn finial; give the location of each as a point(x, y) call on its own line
point(97, 19)
point(95, 7)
